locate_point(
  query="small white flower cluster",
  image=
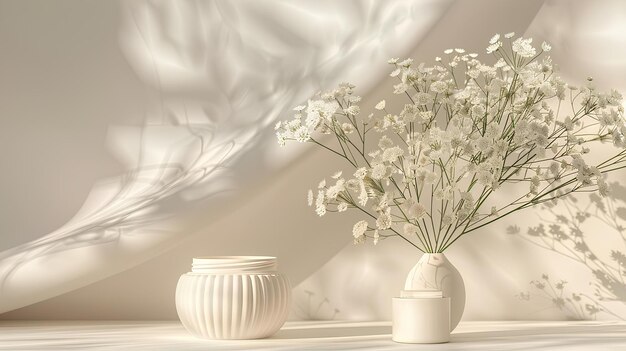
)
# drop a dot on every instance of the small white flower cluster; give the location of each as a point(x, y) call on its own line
point(320, 115)
point(425, 170)
point(521, 47)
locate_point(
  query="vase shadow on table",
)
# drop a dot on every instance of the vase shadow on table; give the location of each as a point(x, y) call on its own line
point(338, 330)
point(575, 336)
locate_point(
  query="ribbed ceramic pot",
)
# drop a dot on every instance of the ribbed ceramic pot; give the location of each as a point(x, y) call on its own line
point(233, 297)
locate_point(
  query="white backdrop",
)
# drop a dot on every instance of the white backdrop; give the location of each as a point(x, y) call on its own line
point(137, 135)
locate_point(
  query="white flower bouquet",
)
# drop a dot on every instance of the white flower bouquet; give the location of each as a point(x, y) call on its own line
point(427, 171)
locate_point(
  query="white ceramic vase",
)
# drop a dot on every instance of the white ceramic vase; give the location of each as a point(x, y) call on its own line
point(233, 297)
point(434, 272)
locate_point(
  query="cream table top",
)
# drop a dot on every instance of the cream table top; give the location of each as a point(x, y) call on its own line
point(331, 335)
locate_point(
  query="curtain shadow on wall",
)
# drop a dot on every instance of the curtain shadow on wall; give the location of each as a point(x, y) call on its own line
point(136, 206)
point(216, 76)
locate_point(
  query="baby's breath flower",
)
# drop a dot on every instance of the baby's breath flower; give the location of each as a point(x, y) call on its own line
point(423, 98)
point(416, 211)
point(449, 218)
point(360, 173)
point(426, 116)
point(385, 142)
point(352, 185)
point(320, 203)
point(547, 89)
point(281, 139)
point(430, 177)
point(493, 47)
point(391, 154)
point(473, 73)
point(439, 87)
point(384, 220)
point(353, 99)
point(494, 39)
point(302, 134)
point(347, 128)
point(438, 194)
point(409, 229)
point(485, 178)
point(321, 108)
point(363, 194)
point(500, 63)
point(523, 47)
point(488, 125)
point(381, 105)
point(293, 125)
point(379, 171)
point(333, 191)
point(400, 88)
point(374, 154)
point(359, 229)
point(320, 210)
point(406, 63)
point(352, 110)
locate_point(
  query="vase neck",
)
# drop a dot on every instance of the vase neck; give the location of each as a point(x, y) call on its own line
point(435, 254)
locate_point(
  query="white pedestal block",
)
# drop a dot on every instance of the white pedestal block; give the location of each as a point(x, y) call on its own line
point(421, 320)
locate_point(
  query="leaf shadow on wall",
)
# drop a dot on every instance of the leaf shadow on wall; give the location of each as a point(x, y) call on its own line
point(573, 230)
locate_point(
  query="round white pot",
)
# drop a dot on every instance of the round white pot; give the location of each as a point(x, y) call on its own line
point(434, 272)
point(233, 297)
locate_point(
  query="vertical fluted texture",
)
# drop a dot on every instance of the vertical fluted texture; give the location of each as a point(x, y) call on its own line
point(233, 306)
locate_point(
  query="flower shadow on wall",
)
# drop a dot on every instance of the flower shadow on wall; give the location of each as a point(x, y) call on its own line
point(572, 229)
point(311, 306)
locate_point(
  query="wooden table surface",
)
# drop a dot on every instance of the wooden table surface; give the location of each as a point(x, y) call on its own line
point(332, 335)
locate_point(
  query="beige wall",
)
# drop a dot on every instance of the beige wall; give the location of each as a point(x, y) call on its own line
point(333, 279)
